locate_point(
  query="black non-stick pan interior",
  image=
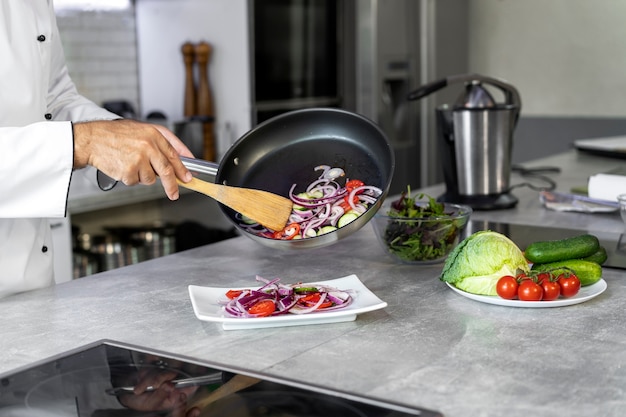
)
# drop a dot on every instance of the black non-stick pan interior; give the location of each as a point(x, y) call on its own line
point(286, 149)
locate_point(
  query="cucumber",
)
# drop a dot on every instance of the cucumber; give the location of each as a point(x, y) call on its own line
point(304, 290)
point(560, 250)
point(599, 257)
point(587, 272)
point(326, 229)
point(347, 218)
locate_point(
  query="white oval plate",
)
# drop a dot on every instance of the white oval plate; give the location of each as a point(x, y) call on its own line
point(585, 294)
point(207, 307)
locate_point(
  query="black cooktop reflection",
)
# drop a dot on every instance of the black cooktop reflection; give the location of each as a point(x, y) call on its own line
point(116, 380)
point(523, 235)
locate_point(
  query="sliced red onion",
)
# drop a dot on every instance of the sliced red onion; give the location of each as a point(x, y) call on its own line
point(324, 168)
point(336, 213)
point(312, 213)
point(285, 298)
point(297, 309)
point(286, 303)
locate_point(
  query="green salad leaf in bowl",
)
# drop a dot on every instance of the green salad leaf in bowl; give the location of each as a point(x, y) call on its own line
point(414, 231)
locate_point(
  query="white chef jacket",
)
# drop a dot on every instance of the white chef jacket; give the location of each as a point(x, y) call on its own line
point(37, 102)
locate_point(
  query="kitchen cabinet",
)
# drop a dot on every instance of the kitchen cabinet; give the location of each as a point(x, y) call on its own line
point(62, 242)
point(85, 197)
point(94, 210)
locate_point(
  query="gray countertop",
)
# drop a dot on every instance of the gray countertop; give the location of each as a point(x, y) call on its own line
point(430, 347)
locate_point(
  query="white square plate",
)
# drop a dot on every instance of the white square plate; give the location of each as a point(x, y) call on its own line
point(207, 307)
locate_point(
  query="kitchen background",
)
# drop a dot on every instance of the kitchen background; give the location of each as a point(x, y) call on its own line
point(566, 57)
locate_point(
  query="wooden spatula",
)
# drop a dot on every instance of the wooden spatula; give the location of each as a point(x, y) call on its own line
point(270, 210)
point(237, 383)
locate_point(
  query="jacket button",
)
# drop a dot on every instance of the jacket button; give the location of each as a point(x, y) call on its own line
point(44, 249)
point(41, 38)
point(48, 116)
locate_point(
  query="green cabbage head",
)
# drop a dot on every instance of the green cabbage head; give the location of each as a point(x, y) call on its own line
point(482, 258)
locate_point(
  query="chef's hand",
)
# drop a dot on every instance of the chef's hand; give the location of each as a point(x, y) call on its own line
point(164, 397)
point(132, 152)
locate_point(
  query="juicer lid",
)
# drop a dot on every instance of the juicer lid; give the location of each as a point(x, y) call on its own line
point(474, 96)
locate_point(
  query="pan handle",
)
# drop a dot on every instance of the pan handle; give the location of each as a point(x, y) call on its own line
point(200, 165)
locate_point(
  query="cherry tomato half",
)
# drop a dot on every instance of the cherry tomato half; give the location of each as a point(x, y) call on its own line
point(570, 285)
point(231, 294)
point(345, 204)
point(289, 232)
point(506, 287)
point(529, 291)
point(310, 300)
point(262, 308)
point(352, 184)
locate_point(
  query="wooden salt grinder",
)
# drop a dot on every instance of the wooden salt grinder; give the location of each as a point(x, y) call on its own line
point(205, 99)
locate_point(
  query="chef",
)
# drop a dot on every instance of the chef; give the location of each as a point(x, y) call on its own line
point(47, 131)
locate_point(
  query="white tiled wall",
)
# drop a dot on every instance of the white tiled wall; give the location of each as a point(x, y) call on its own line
point(162, 28)
point(125, 54)
point(101, 53)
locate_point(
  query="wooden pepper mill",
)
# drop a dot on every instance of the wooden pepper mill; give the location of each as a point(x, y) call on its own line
point(205, 99)
point(198, 104)
point(189, 56)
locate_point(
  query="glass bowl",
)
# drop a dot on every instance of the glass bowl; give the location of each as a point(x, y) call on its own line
point(426, 240)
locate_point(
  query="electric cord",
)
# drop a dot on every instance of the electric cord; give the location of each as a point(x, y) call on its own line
point(537, 173)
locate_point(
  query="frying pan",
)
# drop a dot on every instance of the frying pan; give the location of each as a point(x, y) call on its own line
point(285, 150)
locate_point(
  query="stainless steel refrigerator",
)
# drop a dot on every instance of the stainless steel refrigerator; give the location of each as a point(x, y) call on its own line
point(363, 56)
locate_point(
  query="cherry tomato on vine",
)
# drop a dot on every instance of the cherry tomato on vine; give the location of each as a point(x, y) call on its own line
point(529, 290)
point(543, 277)
point(551, 290)
point(570, 284)
point(506, 287)
point(522, 276)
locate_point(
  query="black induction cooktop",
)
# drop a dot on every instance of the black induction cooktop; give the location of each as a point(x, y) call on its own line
point(523, 235)
point(97, 380)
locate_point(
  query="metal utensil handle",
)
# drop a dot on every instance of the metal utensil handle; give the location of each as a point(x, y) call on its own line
point(427, 89)
point(178, 383)
point(200, 165)
point(579, 197)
